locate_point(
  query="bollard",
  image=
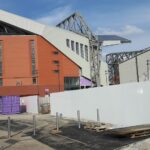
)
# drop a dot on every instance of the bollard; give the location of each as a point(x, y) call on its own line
point(60, 119)
point(9, 128)
point(57, 121)
point(98, 117)
point(78, 116)
point(34, 125)
point(61, 115)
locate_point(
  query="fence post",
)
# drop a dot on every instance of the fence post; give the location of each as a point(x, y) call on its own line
point(9, 128)
point(98, 117)
point(78, 117)
point(57, 121)
point(34, 125)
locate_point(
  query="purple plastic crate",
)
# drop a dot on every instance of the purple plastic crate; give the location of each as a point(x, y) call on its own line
point(0, 105)
point(10, 105)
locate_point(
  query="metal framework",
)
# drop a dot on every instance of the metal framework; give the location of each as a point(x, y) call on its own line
point(76, 23)
point(114, 59)
point(7, 29)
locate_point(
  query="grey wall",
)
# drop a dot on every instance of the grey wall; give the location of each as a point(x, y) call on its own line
point(128, 72)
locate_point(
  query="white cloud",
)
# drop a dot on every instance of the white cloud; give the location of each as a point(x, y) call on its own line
point(56, 15)
point(125, 31)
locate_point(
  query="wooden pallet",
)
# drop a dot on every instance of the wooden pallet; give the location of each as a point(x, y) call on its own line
point(95, 127)
point(55, 131)
point(132, 132)
point(140, 134)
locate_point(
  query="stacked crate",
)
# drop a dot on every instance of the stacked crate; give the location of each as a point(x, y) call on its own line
point(9, 105)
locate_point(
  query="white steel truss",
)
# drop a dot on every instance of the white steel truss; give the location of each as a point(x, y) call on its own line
point(76, 23)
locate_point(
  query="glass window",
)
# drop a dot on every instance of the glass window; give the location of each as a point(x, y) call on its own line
point(68, 42)
point(56, 52)
point(71, 83)
point(72, 45)
point(0, 69)
point(81, 50)
point(56, 62)
point(86, 53)
point(77, 48)
point(1, 82)
point(32, 47)
point(34, 81)
point(1, 58)
point(56, 71)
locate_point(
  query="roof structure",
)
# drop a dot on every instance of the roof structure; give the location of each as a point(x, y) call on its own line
point(51, 33)
point(14, 24)
point(114, 59)
point(102, 38)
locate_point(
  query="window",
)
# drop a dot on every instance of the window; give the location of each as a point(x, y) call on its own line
point(56, 71)
point(55, 52)
point(0, 68)
point(56, 62)
point(1, 58)
point(72, 45)
point(18, 83)
point(71, 83)
point(34, 81)
point(68, 42)
point(77, 48)
point(1, 82)
point(86, 53)
point(32, 47)
point(81, 50)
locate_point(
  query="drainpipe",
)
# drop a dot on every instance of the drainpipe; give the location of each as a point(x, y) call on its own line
point(137, 71)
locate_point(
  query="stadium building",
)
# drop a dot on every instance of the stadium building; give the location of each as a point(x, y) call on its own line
point(36, 58)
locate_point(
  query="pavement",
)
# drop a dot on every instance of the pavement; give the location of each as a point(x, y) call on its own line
point(71, 137)
point(25, 144)
point(20, 141)
point(20, 125)
point(141, 145)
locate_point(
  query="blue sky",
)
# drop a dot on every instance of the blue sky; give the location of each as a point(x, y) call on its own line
point(126, 18)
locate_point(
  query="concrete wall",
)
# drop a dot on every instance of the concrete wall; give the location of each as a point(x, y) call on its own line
point(121, 105)
point(31, 103)
point(142, 66)
point(128, 72)
point(104, 73)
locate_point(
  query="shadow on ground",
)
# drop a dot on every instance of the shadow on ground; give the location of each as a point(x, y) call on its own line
point(15, 125)
point(80, 139)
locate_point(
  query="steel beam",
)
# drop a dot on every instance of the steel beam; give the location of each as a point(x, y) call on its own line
point(76, 24)
point(114, 59)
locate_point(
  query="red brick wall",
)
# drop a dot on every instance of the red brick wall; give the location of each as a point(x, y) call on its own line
point(16, 60)
point(46, 66)
point(17, 65)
